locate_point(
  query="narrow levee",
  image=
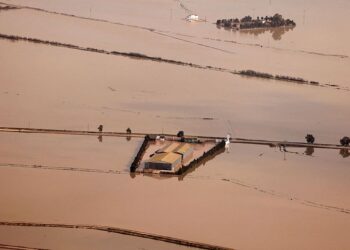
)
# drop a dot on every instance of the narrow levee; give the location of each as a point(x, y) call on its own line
point(109, 229)
point(171, 137)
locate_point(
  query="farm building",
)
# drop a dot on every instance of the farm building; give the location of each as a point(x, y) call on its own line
point(164, 161)
point(170, 157)
point(184, 149)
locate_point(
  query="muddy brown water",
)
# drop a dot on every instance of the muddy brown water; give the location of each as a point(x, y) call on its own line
point(280, 194)
point(52, 238)
point(293, 200)
point(317, 49)
point(49, 87)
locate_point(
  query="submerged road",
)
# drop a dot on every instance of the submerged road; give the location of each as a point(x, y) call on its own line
point(270, 143)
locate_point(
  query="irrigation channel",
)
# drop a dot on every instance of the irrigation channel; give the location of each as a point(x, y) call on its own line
point(172, 137)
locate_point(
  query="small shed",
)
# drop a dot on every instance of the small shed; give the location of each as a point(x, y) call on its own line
point(192, 17)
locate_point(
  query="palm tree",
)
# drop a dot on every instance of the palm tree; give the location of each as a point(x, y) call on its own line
point(345, 141)
point(180, 134)
point(310, 138)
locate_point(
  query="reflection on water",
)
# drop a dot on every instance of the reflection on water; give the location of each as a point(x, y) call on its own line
point(132, 175)
point(309, 151)
point(100, 139)
point(276, 33)
point(344, 152)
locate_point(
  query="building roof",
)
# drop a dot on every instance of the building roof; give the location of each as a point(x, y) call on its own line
point(169, 148)
point(165, 158)
point(182, 148)
point(192, 17)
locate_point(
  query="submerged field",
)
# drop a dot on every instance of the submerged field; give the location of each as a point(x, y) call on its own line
point(253, 197)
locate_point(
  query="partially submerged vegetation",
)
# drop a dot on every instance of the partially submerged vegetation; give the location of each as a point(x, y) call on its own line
point(299, 80)
point(6, 7)
point(255, 74)
point(248, 22)
point(292, 79)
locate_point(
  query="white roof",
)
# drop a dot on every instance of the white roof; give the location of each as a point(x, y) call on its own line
point(192, 17)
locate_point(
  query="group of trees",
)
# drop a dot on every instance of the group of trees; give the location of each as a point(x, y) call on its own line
point(255, 74)
point(248, 22)
point(345, 141)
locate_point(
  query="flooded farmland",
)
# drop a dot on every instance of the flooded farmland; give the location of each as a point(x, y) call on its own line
point(166, 75)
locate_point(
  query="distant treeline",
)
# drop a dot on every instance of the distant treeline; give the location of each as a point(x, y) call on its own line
point(248, 22)
point(140, 56)
point(253, 73)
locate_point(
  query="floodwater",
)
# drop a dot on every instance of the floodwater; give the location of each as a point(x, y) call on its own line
point(317, 49)
point(253, 197)
point(50, 87)
point(52, 238)
point(252, 191)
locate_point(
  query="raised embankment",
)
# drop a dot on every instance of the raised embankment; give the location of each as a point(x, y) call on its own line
point(203, 158)
point(136, 163)
point(109, 229)
point(270, 143)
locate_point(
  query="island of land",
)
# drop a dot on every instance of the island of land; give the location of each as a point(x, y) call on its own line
point(248, 22)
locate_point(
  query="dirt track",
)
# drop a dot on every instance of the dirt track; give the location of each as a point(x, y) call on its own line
point(270, 143)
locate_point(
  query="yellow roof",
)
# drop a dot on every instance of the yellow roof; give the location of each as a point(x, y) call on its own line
point(177, 148)
point(182, 148)
point(165, 157)
point(169, 148)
